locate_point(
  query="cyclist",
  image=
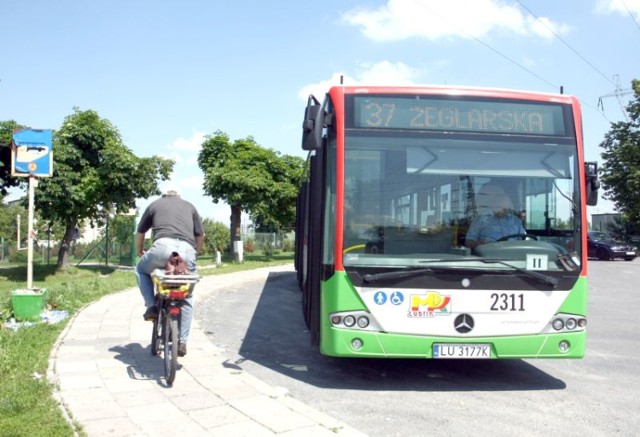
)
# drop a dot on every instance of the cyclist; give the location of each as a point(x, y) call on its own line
point(176, 227)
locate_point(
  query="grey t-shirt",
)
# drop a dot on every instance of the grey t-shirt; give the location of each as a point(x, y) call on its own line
point(172, 217)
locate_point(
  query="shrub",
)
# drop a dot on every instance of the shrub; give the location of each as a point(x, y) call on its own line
point(249, 245)
point(268, 248)
point(288, 245)
point(216, 236)
point(18, 256)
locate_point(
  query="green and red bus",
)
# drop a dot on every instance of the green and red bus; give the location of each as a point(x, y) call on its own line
point(393, 182)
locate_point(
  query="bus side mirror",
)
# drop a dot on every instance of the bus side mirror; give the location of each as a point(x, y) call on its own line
point(312, 125)
point(592, 183)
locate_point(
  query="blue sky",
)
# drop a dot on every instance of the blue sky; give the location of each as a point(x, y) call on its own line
point(166, 73)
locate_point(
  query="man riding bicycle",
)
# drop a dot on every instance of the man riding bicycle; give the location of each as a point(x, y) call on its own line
point(176, 227)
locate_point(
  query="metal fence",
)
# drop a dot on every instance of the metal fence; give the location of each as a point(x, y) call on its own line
point(268, 241)
point(118, 248)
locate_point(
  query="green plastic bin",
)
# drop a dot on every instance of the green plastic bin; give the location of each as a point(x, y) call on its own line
point(27, 304)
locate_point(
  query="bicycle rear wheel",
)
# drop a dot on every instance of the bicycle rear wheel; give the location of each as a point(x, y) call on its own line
point(170, 347)
point(156, 333)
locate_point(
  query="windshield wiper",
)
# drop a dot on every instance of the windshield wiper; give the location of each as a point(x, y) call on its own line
point(546, 279)
point(394, 275)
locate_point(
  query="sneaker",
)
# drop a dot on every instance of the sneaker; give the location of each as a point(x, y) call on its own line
point(182, 349)
point(151, 313)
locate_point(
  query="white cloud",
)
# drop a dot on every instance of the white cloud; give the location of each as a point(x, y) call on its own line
point(620, 6)
point(192, 144)
point(193, 181)
point(379, 73)
point(387, 72)
point(320, 88)
point(186, 178)
point(436, 19)
point(545, 28)
point(185, 150)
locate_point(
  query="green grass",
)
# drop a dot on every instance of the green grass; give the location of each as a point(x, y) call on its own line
point(27, 407)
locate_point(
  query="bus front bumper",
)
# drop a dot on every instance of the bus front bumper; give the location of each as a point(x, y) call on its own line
point(369, 344)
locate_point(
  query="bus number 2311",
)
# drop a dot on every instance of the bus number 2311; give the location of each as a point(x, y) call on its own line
point(507, 302)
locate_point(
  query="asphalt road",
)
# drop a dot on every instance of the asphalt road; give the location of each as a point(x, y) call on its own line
point(260, 326)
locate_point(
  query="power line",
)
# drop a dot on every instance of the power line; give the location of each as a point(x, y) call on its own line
point(630, 14)
point(618, 93)
point(499, 53)
point(496, 51)
point(565, 43)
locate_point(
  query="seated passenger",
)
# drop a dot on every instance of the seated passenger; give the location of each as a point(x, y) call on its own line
point(496, 219)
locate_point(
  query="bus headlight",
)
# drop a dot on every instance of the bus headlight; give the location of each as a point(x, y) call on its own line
point(354, 320)
point(363, 322)
point(349, 321)
point(566, 323)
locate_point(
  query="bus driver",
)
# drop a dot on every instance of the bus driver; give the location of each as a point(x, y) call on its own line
point(496, 218)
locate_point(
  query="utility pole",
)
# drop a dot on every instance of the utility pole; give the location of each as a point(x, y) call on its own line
point(618, 93)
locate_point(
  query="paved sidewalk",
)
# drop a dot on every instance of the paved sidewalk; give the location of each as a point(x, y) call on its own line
point(108, 381)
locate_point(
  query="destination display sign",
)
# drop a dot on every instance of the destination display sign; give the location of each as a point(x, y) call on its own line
point(456, 115)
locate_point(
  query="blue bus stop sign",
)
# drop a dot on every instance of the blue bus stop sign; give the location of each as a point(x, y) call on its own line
point(31, 153)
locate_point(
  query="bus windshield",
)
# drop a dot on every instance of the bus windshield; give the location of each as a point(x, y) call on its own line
point(412, 195)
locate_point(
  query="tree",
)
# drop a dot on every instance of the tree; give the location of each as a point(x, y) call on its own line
point(94, 173)
point(620, 171)
point(216, 236)
point(249, 178)
point(7, 128)
point(277, 209)
point(617, 229)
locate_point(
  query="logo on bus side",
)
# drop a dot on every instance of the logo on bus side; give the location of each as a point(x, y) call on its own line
point(430, 305)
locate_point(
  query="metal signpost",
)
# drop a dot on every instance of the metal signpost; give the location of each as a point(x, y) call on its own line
point(32, 157)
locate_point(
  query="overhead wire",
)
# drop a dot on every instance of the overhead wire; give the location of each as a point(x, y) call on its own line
point(496, 51)
point(630, 14)
point(596, 69)
point(499, 53)
point(565, 42)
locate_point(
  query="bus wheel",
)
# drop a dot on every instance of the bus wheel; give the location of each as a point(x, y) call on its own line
point(305, 305)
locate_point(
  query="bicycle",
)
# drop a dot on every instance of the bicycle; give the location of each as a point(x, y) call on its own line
point(170, 291)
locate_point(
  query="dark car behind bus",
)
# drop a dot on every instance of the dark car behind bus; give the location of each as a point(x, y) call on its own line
point(605, 248)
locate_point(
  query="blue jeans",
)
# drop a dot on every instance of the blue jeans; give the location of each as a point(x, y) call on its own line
point(156, 258)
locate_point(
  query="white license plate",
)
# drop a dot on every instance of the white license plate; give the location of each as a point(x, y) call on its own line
point(631, 253)
point(465, 351)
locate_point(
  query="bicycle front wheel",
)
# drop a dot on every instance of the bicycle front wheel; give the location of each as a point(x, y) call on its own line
point(170, 347)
